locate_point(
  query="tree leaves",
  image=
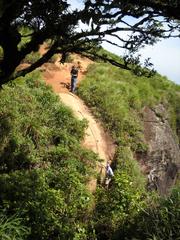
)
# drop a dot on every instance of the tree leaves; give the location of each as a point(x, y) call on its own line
point(144, 21)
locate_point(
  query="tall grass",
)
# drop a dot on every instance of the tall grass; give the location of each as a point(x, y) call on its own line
point(43, 168)
point(12, 229)
point(118, 97)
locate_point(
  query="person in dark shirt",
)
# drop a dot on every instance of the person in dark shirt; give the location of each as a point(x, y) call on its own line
point(74, 75)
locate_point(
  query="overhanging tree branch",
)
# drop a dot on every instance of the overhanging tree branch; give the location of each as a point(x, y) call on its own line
point(147, 22)
point(37, 64)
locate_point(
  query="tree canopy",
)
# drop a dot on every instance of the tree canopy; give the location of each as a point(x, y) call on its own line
point(131, 25)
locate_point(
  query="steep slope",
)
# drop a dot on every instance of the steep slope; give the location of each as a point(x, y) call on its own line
point(44, 170)
point(163, 155)
point(96, 139)
point(142, 114)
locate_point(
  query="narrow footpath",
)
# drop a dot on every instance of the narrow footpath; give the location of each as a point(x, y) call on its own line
point(96, 139)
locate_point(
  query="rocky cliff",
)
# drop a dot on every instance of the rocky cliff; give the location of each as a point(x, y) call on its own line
point(162, 159)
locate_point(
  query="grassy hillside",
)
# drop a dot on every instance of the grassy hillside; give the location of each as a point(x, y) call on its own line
point(117, 97)
point(43, 168)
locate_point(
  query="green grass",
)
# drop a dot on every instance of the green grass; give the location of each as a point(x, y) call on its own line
point(11, 228)
point(43, 168)
point(118, 97)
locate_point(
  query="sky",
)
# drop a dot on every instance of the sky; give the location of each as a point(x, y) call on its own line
point(165, 55)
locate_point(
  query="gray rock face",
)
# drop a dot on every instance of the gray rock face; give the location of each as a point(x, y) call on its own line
point(162, 160)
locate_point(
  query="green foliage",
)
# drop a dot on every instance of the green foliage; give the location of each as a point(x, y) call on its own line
point(117, 97)
point(32, 57)
point(165, 218)
point(43, 168)
point(110, 93)
point(26, 36)
point(54, 58)
point(159, 221)
point(69, 58)
point(44, 171)
point(12, 228)
point(125, 198)
point(59, 22)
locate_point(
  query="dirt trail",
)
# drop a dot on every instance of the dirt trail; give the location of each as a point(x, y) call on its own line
point(96, 139)
point(58, 75)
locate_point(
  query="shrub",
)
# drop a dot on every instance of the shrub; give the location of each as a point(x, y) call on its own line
point(43, 168)
point(54, 58)
point(159, 221)
point(69, 58)
point(117, 97)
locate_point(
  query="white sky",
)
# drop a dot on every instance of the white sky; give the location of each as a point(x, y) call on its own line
point(165, 55)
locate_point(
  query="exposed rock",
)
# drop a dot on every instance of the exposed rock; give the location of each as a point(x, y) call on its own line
point(162, 159)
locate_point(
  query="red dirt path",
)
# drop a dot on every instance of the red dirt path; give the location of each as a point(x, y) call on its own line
point(58, 76)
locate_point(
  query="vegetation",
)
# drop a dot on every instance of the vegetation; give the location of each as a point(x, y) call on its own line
point(117, 207)
point(58, 22)
point(158, 221)
point(11, 228)
point(117, 97)
point(43, 169)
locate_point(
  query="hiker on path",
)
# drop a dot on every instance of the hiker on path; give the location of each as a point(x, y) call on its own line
point(109, 171)
point(74, 74)
point(109, 174)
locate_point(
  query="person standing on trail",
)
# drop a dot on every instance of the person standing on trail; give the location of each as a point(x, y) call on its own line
point(74, 74)
point(109, 174)
point(109, 171)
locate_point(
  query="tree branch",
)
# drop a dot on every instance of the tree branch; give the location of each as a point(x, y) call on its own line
point(35, 65)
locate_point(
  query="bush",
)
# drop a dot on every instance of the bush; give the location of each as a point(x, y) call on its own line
point(117, 97)
point(54, 58)
point(159, 221)
point(69, 58)
point(43, 168)
point(25, 36)
point(116, 102)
